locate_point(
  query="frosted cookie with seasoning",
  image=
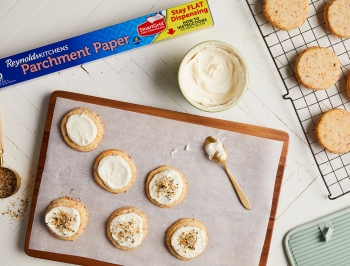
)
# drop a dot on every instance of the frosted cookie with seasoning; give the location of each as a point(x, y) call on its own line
point(66, 219)
point(333, 131)
point(337, 17)
point(166, 186)
point(186, 239)
point(127, 227)
point(286, 14)
point(82, 129)
point(114, 171)
point(317, 68)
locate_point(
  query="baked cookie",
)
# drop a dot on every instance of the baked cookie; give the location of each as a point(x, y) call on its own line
point(82, 129)
point(337, 17)
point(333, 131)
point(348, 85)
point(286, 14)
point(65, 218)
point(127, 227)
point(317, 68)
point(114, 171)
point(166, 186)
point(186, 239)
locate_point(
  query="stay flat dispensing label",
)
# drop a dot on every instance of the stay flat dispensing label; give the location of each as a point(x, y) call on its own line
point(105, 42)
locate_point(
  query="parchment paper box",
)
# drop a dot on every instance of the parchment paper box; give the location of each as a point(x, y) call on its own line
point(108, 41)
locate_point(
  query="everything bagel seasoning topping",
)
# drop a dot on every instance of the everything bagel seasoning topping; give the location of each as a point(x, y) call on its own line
point(126, 229)
point(166, 187)
point(63, 221)
point(189, 241)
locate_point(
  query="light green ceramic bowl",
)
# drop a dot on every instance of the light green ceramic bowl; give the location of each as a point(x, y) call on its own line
point(239, 91)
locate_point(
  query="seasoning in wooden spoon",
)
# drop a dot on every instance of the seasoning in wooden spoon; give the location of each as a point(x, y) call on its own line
point(8, 182)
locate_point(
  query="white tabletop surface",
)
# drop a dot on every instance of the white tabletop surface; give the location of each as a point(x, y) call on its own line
point(146, 76)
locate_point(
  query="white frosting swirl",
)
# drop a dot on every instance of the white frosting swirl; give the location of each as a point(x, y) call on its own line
point(212, 74)
point(126, 229)
point(114, 171)
point(189, 241)
point(166, 187)
point(63, 221)
point(214, 147)
point(81, 129)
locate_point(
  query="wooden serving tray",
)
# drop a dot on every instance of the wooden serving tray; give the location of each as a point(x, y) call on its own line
point(261, 132)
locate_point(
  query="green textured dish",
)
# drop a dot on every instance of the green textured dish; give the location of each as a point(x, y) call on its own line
point(305, 245)
point(218, 108)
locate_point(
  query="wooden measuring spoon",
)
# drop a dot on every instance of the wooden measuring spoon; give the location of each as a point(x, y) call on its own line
point(10, 181)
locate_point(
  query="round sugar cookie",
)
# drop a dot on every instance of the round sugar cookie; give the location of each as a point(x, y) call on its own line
point(127, 227)
point(187, 238)
point(317, 68)
point(337, 17)
point(166, 186)
point(114, 171)
point(65, 218)
point(348, 85)
point(286, 14)
point(82, 129)
point(333, 131)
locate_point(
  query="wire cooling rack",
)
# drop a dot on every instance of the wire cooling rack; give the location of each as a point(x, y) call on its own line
point(284, 47)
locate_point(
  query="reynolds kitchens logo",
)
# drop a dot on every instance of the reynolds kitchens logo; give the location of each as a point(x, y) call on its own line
point(153, 25)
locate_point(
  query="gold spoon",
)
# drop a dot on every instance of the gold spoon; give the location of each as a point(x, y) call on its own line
point(9, 179)
point(222, 160)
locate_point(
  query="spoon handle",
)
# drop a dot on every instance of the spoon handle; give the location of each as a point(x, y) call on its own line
point(242, 197)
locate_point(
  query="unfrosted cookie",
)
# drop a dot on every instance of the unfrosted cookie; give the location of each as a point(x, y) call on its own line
point(348, 85)
point(337, 17)
point(82, 129)
point(333, 131)
point(186, 239)
point(317, 68)
point(127, 227)
point(166, 186)
point(65, 218)
point(114, 171)
point(286, 14)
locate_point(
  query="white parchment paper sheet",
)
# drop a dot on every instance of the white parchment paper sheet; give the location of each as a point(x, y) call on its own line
point(236, 236)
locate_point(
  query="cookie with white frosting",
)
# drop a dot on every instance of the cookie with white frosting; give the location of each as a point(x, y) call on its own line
point(127, 227)
point(166, 186)
point(65, 218)
point(82, 129)
point(114, 171)
point(186, 239)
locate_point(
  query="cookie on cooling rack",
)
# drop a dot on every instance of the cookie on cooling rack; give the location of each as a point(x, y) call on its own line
point(186, 239)
point(114, 171)
point(286, 14)
point(317, 68)
point(127, 227)
point(348, 85)
point(65, 218)
point(333, 131)
point(337, 17)
point(166, 186)
point(82, 129)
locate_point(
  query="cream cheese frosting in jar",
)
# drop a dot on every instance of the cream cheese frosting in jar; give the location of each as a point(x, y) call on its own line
point(63, 221)
point(126, 229)
point(214, 147)
point(166, 187)
point(81, 129)
point(189, 241)
point(213, 76)
point(114, 171)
